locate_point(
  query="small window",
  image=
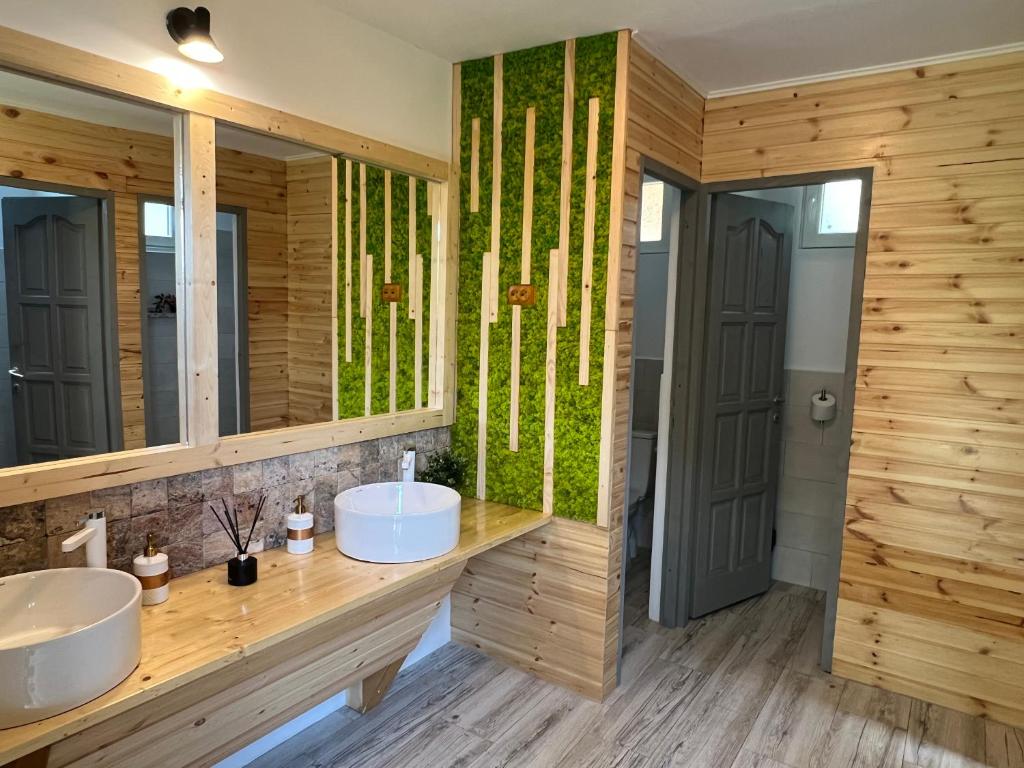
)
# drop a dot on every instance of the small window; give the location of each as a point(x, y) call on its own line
point(831, 214)
point(159, 219)
point(652, 203)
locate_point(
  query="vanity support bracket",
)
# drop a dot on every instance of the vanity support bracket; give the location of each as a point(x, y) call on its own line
point(368, 693)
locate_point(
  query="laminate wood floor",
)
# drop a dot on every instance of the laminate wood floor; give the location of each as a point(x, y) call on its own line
point(740, 688)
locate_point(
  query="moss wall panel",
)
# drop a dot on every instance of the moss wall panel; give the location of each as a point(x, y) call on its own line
point(535, 78)
point(578, 409)
point(474, 240)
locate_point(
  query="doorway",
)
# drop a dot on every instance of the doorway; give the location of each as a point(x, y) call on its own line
point(756, 484)
point(158, 279)
point(62, 398)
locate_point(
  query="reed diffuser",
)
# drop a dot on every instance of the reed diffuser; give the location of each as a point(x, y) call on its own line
point(241, 567)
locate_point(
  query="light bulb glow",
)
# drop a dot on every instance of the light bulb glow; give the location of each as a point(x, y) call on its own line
point(201, 50)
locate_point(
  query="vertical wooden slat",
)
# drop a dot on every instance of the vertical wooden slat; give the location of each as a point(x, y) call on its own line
point(492, 306)
point(485, 330)
point(550, 368)
point(589, 214)
point(439, 389)
point(606, 452)
point(332, 255)
point(418, 352)
point(565, 200)
point(527, 245)
point(413, 306)
point(474, 167)
point(197, 279)
point(392, 306)
point(444, 274)
point(368, 345)
point(362, 240)
point(348, 261)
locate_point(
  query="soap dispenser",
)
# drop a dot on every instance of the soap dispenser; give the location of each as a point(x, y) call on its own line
point(151, 568)
point(300, 529)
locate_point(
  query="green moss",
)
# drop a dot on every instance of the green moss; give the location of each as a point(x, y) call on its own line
point(578, 409)
point(534, 78)
point(474, 240)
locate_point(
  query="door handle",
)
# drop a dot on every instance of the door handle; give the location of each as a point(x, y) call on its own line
point(778, 400)
point(16, 373)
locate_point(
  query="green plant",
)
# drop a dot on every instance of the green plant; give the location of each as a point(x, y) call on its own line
point(445, 468)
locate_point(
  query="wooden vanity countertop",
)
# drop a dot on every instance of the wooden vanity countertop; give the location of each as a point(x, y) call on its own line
point(207, 625)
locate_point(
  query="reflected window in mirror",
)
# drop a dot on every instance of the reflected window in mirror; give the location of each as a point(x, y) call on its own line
point(75, 168)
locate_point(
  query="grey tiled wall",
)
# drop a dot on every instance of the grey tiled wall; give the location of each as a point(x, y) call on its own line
point(646, 392)
point(808, 515)
point(176, 509)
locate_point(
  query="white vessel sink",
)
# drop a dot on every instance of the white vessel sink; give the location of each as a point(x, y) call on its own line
point(397, 522)
point(67, 635)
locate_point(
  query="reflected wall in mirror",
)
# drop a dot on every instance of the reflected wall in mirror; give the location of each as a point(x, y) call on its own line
point(336, 260)
point(88, 329)
point(387, 256)
point(276, 237)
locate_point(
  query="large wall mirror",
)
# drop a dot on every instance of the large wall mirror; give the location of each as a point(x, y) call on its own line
point(325, 268)
point(88, 327)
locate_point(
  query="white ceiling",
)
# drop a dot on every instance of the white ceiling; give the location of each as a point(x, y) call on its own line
point(41, 96)
point(715, 44)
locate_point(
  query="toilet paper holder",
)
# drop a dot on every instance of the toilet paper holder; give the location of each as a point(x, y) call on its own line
point(823, 406)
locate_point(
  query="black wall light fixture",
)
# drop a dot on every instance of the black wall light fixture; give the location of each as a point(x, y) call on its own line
point(191, 31)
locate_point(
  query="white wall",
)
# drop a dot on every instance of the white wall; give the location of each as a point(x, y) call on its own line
point(303, 56)
point(820, 281)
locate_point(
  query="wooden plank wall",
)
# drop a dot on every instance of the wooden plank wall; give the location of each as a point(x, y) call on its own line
point(930, 600)
point(312, 279)
point(258, 184)
point(549, 602)
point(664, 122)
point(543, 603)
point(42, 147)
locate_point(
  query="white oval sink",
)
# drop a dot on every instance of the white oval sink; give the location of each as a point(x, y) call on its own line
point(67, 635)
point(397, 522)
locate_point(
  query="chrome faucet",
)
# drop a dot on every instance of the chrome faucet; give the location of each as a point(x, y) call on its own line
point(93, 536)
point(408, 466)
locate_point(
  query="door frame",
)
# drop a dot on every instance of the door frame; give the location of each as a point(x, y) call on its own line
point(689, 220)
point(687, 391)
point(108, 297)
point(241, 308)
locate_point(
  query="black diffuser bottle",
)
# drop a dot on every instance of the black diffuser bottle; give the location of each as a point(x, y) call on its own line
point(242, 570)
point(242, 567)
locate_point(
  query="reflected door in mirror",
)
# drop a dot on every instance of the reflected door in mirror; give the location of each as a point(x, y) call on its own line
point(56, 330)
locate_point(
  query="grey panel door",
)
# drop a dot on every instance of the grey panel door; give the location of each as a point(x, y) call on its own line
point(55, 322)
point(751, 242)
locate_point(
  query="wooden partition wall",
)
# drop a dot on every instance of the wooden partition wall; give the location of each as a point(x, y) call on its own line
point(930, 599)
point(549, 602)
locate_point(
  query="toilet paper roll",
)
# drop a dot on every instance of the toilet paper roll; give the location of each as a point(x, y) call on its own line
point(823, 406)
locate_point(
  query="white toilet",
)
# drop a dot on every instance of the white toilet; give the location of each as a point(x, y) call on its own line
point(641, 488)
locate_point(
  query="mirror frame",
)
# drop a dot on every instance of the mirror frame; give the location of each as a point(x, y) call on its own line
point(198, 112)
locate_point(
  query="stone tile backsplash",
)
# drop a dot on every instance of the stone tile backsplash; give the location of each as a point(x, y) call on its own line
point(176, 510)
